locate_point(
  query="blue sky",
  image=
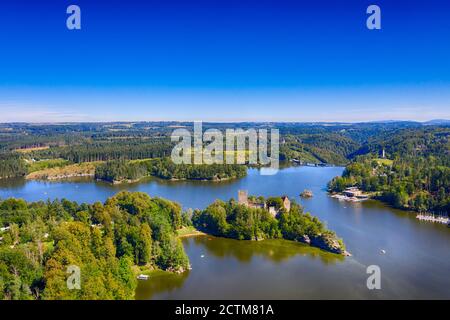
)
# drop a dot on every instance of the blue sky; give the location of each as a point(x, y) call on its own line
point(224, 61)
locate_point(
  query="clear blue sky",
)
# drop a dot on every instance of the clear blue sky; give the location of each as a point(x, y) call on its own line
point(224, 61)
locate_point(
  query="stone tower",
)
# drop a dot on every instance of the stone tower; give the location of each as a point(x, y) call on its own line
point(286, 203)
point(243, 197)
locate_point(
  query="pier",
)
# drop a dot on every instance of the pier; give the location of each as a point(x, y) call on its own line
point(433, 218)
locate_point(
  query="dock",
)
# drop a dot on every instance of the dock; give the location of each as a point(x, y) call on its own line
point(433, 218)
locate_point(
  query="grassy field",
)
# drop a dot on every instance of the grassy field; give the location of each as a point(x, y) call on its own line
point(141, 160)
point(188, 232)
point(46, 164)
point(28, 150)
point(386, 162)
point(65, 171)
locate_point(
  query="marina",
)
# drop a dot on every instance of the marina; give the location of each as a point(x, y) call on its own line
point(352, 194)
point(433, 218)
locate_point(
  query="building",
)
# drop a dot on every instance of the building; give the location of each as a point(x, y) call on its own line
point(352, 192)
point(243, 197)
point(257, 205)
point(243, 200)
point(286, 203)
point(273, 211)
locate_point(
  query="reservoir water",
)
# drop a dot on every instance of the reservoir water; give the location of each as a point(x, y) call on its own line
point(416, 262)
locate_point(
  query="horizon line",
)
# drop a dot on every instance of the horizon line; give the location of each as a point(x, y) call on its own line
point(220, 121)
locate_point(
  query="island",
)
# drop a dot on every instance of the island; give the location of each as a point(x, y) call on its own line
point(129, 171)
point(119, 171)
point(306, 194)
point(257, 218)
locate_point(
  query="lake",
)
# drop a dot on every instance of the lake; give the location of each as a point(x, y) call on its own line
point(416, 263)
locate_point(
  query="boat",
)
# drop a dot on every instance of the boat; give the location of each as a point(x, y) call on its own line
point(143, 277)
point(434, 218)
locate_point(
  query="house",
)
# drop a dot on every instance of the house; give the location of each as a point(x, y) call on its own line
point(353, 192)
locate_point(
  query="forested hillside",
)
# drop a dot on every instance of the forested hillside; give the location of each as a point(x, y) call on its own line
point(21, 145)
point(415, 175)
point(106, 241)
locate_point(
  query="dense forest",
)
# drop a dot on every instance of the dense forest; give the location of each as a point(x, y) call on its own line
point(108, 242)
point(333, 143)
point(327, 148)
point(116, 171)
point(101, 151)
point(416, 177)
point(232, 220)
point(11, 165)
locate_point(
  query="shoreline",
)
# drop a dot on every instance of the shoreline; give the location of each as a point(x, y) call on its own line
point(421, 216)
point(59, 177)
point(345, 253)
point(187, 232)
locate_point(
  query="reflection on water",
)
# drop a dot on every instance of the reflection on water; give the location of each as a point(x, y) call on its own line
point(234, 256)
point(275, 251)
point(12, 183)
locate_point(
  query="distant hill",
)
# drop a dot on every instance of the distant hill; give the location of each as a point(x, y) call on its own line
point(437, 122)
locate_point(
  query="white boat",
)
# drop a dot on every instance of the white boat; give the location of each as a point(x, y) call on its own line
point(142, 277)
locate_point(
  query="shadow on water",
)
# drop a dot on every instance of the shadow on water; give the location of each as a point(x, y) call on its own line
point(159, 282)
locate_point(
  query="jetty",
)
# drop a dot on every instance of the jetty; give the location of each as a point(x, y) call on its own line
point(434, 218)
